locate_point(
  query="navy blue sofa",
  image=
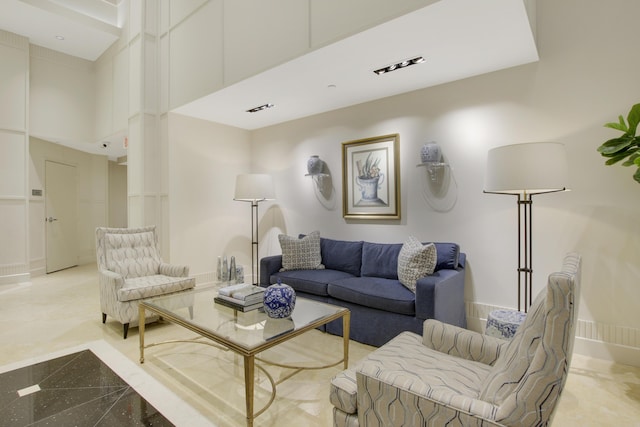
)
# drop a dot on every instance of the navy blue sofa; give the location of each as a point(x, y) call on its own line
point(362, 277)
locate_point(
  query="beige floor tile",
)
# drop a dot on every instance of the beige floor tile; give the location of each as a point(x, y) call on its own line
point(61, 310)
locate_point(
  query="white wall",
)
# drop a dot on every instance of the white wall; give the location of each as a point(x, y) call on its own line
point(579, 84)
point(14, 149)
point(62, 96)
point(205, 221)
point(92, 182)
point(117, 195)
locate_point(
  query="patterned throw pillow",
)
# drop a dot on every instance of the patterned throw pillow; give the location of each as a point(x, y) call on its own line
point(301, 254)
point(415, 261)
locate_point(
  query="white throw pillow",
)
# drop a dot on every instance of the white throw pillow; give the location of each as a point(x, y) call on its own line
point(301, 254)
point(415, 261)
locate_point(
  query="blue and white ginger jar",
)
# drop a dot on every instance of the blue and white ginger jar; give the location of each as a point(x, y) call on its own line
point(279, 301)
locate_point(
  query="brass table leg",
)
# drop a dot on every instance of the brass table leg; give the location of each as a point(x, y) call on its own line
point(346, 322)
point(141, 331)
point(249, 372)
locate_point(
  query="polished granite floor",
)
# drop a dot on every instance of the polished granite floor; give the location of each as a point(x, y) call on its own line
point(77, 389)
point(58, 315)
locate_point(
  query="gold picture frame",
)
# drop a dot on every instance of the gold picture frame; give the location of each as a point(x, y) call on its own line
point(371, 178)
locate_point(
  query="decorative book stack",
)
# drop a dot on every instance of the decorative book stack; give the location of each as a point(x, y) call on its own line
point(241, 297)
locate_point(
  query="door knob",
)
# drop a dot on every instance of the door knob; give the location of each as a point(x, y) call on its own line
point(51, 219)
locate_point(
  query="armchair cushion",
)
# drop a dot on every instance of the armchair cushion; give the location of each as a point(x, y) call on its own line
point(132, 255)
point(150, 286)
point(460, 342)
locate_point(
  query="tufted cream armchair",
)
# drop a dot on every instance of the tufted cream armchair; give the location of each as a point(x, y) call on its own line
point(130, 269)
point(455, 377)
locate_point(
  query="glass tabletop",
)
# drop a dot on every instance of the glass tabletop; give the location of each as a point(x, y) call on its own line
point(249, 330)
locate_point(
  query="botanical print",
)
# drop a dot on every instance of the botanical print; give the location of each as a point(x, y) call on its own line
point(370, 178)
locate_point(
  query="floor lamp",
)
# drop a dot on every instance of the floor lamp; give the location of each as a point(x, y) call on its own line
point(254, 188)
point(525, 170)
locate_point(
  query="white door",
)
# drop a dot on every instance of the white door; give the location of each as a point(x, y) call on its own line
point(61, 216)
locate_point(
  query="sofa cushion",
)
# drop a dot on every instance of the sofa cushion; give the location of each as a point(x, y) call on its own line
point(374, 292)
point(380, 260)
point(415, 261)
point(448, 256)
point(341, 255)
point(302, 253)
point(309, 281)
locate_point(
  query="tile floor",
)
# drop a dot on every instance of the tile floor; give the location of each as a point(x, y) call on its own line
point(200, 385)
point(75, 389)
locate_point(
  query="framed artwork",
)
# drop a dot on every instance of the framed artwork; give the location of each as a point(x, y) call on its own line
point(371, 178)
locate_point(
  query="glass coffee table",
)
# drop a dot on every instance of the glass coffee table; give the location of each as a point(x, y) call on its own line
point(246, 334)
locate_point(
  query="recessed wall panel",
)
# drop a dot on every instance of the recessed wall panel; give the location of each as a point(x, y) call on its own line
point(12, 165)
point(120, 90)
point(260, 35)
point(13, 217)
point(332, 20)
point(135, 77)
point(181, 9)
point(195, 49)
point(62, 96)
point(104, 98)
point(13, 87)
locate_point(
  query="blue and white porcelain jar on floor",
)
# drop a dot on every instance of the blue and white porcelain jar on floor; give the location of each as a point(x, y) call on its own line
point(279, 300)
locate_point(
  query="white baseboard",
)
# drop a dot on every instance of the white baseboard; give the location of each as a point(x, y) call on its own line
point(622, 354)
point(618, 344)
point(12, 279)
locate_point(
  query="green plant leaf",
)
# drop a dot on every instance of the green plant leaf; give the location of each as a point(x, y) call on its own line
point(633, 118)
point(615, 145)
point(636, 175)
point(632, 159)
point(621, 126)
point(615, 159)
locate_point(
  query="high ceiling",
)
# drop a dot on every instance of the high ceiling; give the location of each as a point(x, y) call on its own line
point(457, 38)
point(88, 27)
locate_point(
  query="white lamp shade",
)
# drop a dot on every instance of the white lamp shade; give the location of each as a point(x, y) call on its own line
point(535, 167)
point(254, 187)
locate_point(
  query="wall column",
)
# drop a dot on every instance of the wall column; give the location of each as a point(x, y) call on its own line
point(146, 199)
point(14, 158)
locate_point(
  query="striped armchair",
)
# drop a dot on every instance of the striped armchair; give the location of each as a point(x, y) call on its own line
point(452, 376)
point(130, 269)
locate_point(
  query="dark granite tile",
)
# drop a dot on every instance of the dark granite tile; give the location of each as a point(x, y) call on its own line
point(76, 390)
point(46, 404)
point(11, 382)
point(85, 370)
point(133, 410)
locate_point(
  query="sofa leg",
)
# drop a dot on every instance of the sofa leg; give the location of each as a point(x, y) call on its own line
point(126, 330)
point(104, 317)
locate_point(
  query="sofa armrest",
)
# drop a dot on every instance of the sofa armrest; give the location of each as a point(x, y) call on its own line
point(268, 266)
point(440, 296)
point(173, 270)
point(461, 342)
